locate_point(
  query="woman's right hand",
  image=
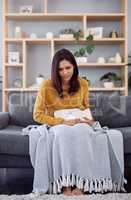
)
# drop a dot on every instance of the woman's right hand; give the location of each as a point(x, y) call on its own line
point(71, 122)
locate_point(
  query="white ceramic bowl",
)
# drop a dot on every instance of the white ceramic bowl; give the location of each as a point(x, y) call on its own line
point(108, 84)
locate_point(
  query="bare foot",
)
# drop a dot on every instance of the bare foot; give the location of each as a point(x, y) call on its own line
point(67, 191)
point(77, 191)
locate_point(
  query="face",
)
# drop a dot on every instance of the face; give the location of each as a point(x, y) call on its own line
point(66, 70)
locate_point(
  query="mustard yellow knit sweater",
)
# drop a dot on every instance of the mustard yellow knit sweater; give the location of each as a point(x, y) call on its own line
point(48, 101)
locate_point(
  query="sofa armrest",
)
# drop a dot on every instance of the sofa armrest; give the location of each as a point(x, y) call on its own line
point(4, 119)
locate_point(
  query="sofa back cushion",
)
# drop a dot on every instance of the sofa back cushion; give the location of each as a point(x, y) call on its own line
point(21, 108)
point(112, 110)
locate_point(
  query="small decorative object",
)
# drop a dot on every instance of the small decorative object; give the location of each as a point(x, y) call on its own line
point(81, 54)
point(39, 79)
point(18, 32)
point(101, 60)
point(67, 33)
point(81, 59)
point(111, 60)
point(113, 34)
point(108, 84)
point(118, 58)
point(14, 57)
point(49, 35)
point(33, 36)
point(109, 79)
point(26, 9)
point(17, 83)
point(97, 32)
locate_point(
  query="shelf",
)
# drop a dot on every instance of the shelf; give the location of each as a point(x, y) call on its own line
point(14, 65)
point(105, 16)
point(37, 41)
point(42, 16)
point(101, 64)
point(21, 89)
point(67, 41)
point(65, 16)
point(106, 89)
point(13, 40)
point(31, 89)
point(95, 41)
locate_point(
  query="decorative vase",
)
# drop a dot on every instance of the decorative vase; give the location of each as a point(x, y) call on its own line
point(118, 58)
point(49, 35)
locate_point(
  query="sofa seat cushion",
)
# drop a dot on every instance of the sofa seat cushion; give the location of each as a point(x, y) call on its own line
point(126, 131)
point(14, 161)
point(12, 142)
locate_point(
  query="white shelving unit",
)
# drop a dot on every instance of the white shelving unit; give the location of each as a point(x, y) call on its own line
point(84, 18)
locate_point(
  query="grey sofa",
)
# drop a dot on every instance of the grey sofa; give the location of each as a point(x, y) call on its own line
point(113, 111)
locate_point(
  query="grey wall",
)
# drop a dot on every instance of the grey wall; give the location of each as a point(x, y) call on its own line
point(42, 63)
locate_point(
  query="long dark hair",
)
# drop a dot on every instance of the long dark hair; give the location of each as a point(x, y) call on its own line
point(74, 85)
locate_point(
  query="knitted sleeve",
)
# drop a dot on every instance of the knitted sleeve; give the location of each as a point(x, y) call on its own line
point(86, 94)
point(39, 112)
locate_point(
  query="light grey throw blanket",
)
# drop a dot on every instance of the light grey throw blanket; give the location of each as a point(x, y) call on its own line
point(90, 157)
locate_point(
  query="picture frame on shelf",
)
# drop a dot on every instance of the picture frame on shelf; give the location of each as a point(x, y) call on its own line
point(13, 57)
point(17, 83)
point(97, 32)
point(28, 9)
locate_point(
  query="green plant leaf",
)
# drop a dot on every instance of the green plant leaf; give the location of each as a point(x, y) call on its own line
point(76, 54)
point(110, 76)
point(82, 51)
point(89, 38)
point(90, 48)
point(77, 35)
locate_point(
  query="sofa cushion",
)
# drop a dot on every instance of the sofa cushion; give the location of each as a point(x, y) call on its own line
point(14, 161)
point(13, 142)
point(4, 119)
point(126, 131)
point(113, 111)
point(21, 108)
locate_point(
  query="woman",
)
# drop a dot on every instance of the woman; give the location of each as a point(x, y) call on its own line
point(64, 90)
point(82, 158)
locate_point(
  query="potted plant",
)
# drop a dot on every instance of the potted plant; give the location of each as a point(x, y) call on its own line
point(67, 33)
point(77, 35)
point(109, 79)
point(82, 52)
point(39, 79)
